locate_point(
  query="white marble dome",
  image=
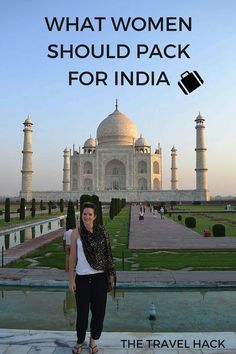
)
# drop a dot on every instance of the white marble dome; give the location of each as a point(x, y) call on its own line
point(90, 143)
point(116, 129)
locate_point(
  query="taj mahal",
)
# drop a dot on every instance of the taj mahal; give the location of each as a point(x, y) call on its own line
point(118, 164)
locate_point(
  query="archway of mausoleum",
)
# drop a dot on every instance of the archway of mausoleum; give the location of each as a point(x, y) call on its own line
point(115, 175)
point(156, 184)
point(142, 184)
point(74, 184)
point(142, 167)
point(88, 184)
point(88, 168)
point(156, 167)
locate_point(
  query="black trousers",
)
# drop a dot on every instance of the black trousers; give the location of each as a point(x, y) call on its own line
point(91, 292)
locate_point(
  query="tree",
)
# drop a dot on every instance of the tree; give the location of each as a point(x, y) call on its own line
point(7, 210)
point(190, 222)
point(112, 209)
point(22, 209)
point(49, 207)
point(41, 205)
point(70, 219)
point(33, 207)
point(95, 201)
point(77, 204)
point(218, 230)
point(123, 202)
point(61, 205)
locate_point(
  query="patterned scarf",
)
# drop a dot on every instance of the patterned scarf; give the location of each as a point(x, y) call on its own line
point(95, 247)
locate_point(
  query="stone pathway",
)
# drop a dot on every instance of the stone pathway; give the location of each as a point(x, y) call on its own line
point(171, 278)
point(52, 342)
point(167, 234)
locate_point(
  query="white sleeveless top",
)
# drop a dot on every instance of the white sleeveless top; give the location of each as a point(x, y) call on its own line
point(83, 267)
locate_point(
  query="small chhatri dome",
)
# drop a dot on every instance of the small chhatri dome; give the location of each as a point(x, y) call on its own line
point(90, 143)
point(173, 149)
point(199, 117)
point(116, 129)
point(28, 121)
point(141, 142)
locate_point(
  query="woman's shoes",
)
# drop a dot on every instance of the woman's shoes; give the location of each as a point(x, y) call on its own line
point(77, 349)
point(93, 350)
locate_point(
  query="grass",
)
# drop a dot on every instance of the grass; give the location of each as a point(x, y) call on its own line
point(52, 255)
point(204, 207)
point(206, 221)
point(195, 260)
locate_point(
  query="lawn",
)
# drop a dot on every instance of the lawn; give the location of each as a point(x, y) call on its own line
point(203, 207)
point(207, 220)
point(52, 255)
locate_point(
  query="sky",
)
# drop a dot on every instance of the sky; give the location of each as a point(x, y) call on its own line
point(35, 85)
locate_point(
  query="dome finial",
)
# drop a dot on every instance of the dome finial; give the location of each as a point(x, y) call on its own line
point(116, 104)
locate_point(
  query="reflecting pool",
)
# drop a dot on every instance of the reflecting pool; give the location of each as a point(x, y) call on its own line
point(20, 235)
point(177, 310)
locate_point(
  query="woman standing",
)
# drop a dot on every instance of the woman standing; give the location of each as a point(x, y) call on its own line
point(95, 275)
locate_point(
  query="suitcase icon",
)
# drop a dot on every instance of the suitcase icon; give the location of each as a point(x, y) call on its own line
point(190, 81)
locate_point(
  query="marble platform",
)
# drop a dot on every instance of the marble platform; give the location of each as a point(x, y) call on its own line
point(52, 342)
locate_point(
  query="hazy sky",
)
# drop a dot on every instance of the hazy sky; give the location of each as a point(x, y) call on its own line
point(64, 115)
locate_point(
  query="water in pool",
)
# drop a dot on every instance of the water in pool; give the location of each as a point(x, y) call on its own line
point(177, 310)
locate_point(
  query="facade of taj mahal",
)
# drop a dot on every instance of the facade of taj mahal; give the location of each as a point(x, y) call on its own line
point(117, 164)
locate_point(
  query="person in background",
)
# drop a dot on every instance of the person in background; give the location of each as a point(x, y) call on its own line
point(95, 276)
point(141, 216)
point(162, 210)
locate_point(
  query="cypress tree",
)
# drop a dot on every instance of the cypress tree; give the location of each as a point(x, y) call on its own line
point(61, 205)
point(112, 209)
point(50, 207)
point(123, 202)
point(70, 219)
point(41, 205)
point(33, 207)
point(119, 205)
point(22, 209)
point(7, 210)
point(116, 206)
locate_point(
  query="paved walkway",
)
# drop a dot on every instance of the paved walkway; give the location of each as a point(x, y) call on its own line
point(59, 278)
point(167, 234)
point(52, 342)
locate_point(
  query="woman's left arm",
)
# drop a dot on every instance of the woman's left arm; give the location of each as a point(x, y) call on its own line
point(110, 261)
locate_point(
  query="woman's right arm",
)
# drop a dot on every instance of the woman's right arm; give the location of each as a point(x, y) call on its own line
point(72, 260)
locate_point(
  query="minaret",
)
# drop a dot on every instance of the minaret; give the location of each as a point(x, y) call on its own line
point(174, 173)
point(66, 171)
point(26, 185)
point(201, 166)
